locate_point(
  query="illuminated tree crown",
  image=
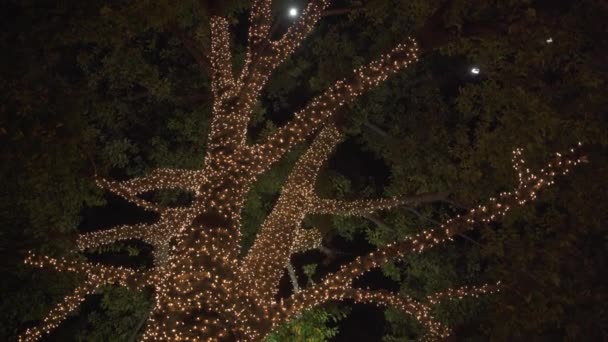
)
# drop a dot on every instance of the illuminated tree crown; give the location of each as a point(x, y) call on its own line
point(203, 289)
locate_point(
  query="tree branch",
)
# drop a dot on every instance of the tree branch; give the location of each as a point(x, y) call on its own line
point(108, 236)
point(123, 191)
point(59, 312)
point(261, 269)
point(293, 277)
point(222, 80)
point(306, 240)
point(101, 274)
point(419, 310)
point(321, 108)
point(481, 215)
point(159, 179)
point(263, 55)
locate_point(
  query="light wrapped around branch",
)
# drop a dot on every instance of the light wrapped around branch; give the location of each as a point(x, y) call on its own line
point(262, 267)
point(222, 79)
point(297, 199)
point(317, 112)
point(96, 276)
point(497, 208)
point(263, 56)
point(108, 236)
point(355, 207)
point(59, 313)
point(419, 310)
point(461, 292)
point(157, 234)
point(158, 179)
point(306, 240)
point(125, 192)
point(97, 273)
point(482, 214)
point(368, 206)
point(260, 21)
point(296, 33)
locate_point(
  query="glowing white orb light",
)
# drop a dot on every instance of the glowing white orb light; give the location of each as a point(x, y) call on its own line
point(549, 40)
point(475, 71)
point(293, 12)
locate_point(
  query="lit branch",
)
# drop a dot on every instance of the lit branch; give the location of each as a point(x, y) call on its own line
point(461, 292)
point(317, 112)
point(263, 56)
point(356, 207)
point(96, 276)
point(306, 240)
point(95, 272)
point(260, 21)
point(419, 310)
point(158, 234)
point(368, 206)
point(59, 313)
point(221, 60)
point(481, 215)
point(108, 236)
point(262, 268)
point(297, 199)
point(161, 179)
point(296, 33)
point(125, 192)
point(404, 304)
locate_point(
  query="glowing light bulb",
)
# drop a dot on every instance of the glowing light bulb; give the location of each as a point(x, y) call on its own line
point(549, 40)
point(293, 12)
point(475, 71)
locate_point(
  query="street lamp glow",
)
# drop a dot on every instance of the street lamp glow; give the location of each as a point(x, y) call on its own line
point(293, 12)
point(475, 71)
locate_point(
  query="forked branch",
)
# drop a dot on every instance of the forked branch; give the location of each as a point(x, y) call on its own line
point(264, 56)
point(334, 285)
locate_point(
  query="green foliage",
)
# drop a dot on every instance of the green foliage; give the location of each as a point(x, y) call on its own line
point(119, 316)
point(309, 271)
point(313, 326)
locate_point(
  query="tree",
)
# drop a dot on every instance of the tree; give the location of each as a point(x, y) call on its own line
point(202, 288)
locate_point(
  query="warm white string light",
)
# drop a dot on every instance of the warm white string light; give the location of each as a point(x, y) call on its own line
point(202, 289)
point(339, 284)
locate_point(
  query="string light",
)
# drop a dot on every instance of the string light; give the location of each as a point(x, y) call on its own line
point(203, 290)
point(475, 70)
point(338, 285)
